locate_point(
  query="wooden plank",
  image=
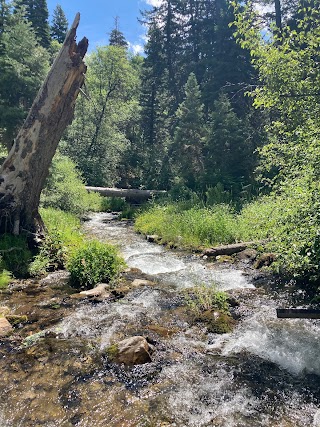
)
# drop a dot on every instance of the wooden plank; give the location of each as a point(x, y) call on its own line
point(298, 313)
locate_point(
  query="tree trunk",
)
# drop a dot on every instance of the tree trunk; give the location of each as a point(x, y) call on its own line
point(130, 194)
point(23, 173)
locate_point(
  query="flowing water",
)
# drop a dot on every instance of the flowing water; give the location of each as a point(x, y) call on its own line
point(265, 373)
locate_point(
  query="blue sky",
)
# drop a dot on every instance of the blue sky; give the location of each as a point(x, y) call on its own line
point(97, 19)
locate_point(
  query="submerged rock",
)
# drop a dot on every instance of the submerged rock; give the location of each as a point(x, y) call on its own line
point(141, 282)
point(152, 238)
point(131, 351)
point(217, 322)
point(5, 327)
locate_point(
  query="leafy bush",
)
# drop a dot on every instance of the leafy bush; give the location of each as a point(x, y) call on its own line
point(63, 236)
point(92, 263)
point(65, 189)
point(5, 278)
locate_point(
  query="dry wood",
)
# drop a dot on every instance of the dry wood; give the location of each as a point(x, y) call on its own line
point(228, 249)
point(23, 174)
point(131, 195)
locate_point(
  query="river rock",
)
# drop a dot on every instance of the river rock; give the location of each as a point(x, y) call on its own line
point(141, 282)
point(265, 260)
point(99, 291)
point(152, 238)
point(133, 351)
point(247, 255)
point(5, 327)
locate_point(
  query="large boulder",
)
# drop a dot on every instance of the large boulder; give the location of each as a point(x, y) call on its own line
point(131, 351)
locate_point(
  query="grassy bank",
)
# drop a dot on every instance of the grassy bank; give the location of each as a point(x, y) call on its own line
point(289, 221)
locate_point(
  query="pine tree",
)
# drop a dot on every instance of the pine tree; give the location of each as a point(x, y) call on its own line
point(187, 150)
point(23, 68)
point(36, 12)
point(59, 25)
point(228, 154)
point(116, 36)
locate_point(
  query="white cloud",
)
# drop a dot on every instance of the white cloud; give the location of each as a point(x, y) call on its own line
point(154, 2)
point(136, 48)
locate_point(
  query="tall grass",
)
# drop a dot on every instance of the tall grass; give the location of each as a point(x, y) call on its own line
point(194, 227)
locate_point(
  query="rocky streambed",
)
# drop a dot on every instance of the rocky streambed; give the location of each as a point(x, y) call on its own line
point(59, 366)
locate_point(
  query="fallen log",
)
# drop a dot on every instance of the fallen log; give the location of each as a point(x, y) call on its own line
point(228, 249)
point(298, 313)
point(130, 194)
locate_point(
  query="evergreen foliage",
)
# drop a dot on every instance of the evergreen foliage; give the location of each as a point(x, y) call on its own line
point(117, 38)
point(187, 147)
point(23, 66)
point(59, 25)
point(37, 14)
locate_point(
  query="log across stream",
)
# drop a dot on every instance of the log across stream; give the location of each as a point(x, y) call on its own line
point(265, 373)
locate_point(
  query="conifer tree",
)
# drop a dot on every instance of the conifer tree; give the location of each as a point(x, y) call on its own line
point(229, 152)
point(23, 68)
point(189, 136)
point(116, 36)
point(59, 25)
point(36, 12)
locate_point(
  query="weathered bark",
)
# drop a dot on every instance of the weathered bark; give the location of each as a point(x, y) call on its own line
point(23, 174)
point(228, 249)
point(131, 195)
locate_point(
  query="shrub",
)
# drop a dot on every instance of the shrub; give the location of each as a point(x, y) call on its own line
point(5, 278)
point(63, 236)
point(92, 263)
point(65, 189)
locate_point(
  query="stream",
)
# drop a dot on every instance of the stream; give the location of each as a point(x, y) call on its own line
point(265, 373)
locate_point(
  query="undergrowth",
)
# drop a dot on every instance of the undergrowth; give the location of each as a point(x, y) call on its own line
point(94, 262)
point(62, 237)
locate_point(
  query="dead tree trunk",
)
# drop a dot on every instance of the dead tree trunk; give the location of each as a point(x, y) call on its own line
point(23, 174)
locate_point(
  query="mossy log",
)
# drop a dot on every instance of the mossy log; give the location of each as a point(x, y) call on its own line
point(23, 173)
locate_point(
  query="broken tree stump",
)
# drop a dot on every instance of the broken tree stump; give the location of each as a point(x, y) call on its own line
point(23, 173)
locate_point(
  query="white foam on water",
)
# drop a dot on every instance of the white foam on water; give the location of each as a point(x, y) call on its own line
point(293, 344)
point(197, 399)
point(154, 264)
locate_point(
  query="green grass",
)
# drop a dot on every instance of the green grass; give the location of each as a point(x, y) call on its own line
point(191, 228)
